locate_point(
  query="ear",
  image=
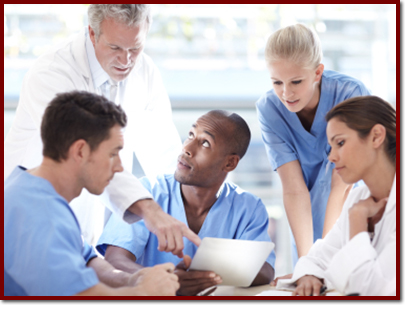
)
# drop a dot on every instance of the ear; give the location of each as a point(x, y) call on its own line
point(378, 135)
point(319, 72)
point(92, 35)
point(231, 163)
point(79, 151)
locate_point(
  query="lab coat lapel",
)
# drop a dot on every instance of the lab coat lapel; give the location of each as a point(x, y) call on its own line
point(80, 56)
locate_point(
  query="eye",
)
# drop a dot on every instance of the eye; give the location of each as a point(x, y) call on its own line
point(190, 135)
point(114, 48)
point(341, 143)
point(297, 82)
point(206, 144)
point(277, 83)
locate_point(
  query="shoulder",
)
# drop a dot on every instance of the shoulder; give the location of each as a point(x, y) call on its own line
point(359, 193)
point(30, 197)
point(162, 186)
point(338, 79)
point(268, 100)
point(240, 198)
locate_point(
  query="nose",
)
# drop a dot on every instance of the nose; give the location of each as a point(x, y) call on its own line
point(188, 148)
point(332, 156)
point(287, 91)
point(118, 165)
point(124, 58)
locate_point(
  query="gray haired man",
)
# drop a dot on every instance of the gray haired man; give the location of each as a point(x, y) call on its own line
point(107, 58)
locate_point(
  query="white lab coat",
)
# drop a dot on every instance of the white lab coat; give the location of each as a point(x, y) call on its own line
point(358, 265)
point(150, 131)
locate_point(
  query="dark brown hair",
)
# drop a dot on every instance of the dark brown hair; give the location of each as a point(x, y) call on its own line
point(78, 115)
point(362, 113)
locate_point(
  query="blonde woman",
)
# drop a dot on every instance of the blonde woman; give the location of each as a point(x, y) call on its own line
point(292, 120)
point(358, 255)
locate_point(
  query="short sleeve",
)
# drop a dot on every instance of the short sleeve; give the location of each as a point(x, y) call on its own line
point(279, 151)
point(131, 237)
point(51, 262)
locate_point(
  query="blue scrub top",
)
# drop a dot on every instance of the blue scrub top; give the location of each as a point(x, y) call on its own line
point(44, 252)
point(287, 140)
point(235, 215)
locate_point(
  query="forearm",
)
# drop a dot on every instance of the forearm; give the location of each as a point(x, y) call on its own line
point(103, 290)
point(299, 213)
point(338, 193)
point(122, 259)
point(144, 208)
point(357, 222)
point(107, 274)
point(265, 275)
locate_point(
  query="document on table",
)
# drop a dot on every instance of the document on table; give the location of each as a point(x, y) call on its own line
point(275, 293)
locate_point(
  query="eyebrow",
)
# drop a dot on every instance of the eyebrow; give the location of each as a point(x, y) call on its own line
point(207, 132)
point(335, 137)
point(294, 78)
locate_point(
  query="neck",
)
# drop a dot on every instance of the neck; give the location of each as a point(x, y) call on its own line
point(199, 200)
point(380, 180)
point(61, 177)
point(307, 115)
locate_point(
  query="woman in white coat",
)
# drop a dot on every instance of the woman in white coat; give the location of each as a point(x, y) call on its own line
point(358, 255)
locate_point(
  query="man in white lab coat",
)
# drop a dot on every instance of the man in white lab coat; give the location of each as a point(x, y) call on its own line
point(108, 59)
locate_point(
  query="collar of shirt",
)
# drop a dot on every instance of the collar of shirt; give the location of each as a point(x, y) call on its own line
point(98, 74)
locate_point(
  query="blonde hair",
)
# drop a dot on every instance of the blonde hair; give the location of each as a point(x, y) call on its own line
point(296, 43)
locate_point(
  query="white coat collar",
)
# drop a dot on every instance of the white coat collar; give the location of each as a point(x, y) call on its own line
point(80, 56)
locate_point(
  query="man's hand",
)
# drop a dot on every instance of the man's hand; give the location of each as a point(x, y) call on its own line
point(155, 281)
point(308, 286)
point(193, 282)
point(169, 231)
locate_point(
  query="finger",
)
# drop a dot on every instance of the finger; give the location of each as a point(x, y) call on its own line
point(308, 291)
point(187, 261)
point(316, 289)
point(170, 241)
point(198, 275)
point(191, 236)
point(162, 241)
point(168, 267)
point(178, 243)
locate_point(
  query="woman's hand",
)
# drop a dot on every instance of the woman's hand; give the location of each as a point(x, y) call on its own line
point(363, 212)
point(308, 286)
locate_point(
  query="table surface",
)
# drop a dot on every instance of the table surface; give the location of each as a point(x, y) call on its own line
point(255, 290)
point(242, 291)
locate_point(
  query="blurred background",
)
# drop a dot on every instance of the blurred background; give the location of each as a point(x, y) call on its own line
point(212, 56)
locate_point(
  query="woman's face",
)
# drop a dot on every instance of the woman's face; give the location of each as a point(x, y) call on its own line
point(296, 87)
point(353, 157)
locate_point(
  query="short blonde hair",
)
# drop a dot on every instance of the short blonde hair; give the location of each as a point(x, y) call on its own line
point(296, 43)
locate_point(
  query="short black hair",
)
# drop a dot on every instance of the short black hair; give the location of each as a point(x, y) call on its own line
point(78, 115)
point(240, 135)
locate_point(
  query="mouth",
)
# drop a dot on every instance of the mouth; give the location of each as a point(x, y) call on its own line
point(338, 169)
point(291, 102)
point(183, 164)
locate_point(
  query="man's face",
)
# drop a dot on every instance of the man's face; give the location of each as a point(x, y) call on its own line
point(204, 153)
point(118, 47)
point(103, 162)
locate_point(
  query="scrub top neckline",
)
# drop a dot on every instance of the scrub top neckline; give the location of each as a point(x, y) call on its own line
point(314, 133)
point(181, 202)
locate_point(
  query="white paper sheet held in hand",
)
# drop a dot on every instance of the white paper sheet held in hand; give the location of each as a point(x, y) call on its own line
point(236, 261)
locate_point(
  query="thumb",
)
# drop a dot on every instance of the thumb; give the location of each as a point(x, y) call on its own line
point(187, 261)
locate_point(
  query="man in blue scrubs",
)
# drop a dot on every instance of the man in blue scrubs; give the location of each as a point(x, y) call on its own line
point(44, 252)
point(198, 195)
